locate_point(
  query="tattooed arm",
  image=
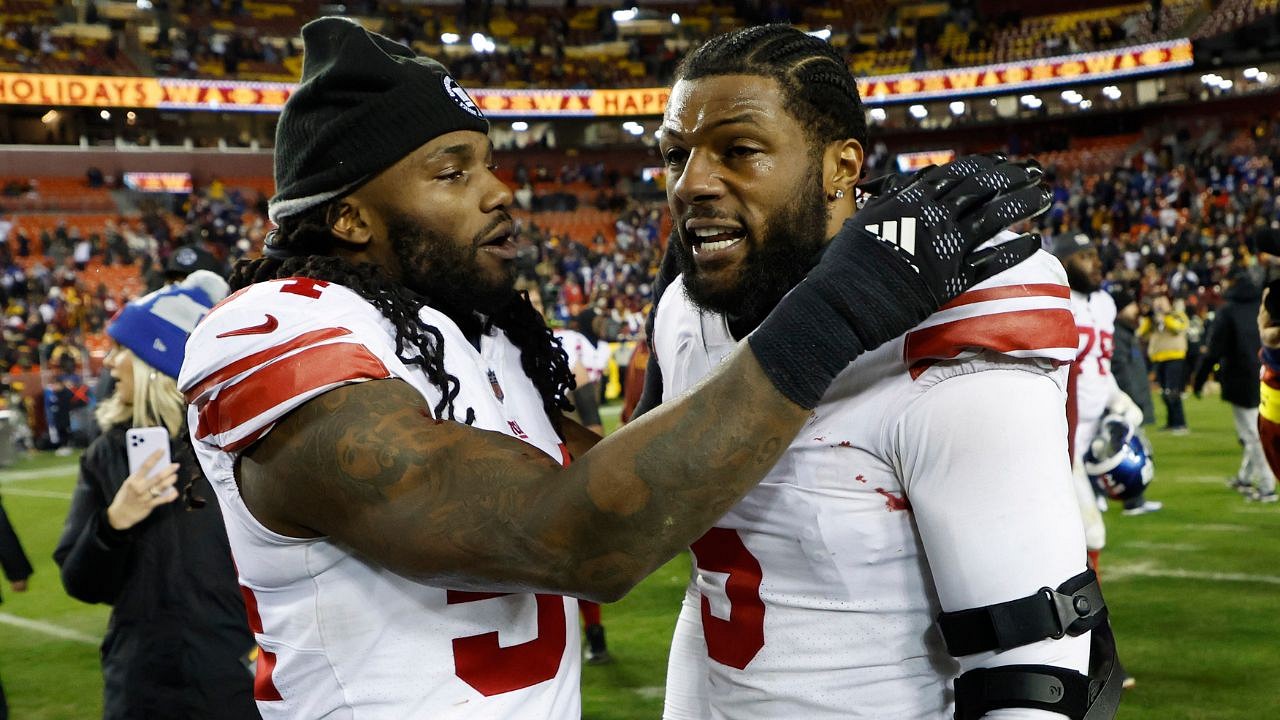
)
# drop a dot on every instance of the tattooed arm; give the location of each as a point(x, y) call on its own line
point(450, 505)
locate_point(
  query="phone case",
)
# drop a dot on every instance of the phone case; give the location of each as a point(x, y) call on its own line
point(140, 443)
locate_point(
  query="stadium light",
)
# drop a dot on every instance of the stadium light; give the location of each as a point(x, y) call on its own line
point(1031, 101)
point(144, 4)
point(519, 126)
point(878, 114)
point(957, 107)
point(1086, 104)
point(482, 44)
point(621, 16)
point(1250, 73)
point(449, 38)
point(1262, 76)
point(1112, 92)
point(105, 114)
point(1072, 96)
point(50, 117)
point(1226, 84)
point(633, 127)
point(823, 34)
point(1210, 79)
point(918, 112)
point(675, 18)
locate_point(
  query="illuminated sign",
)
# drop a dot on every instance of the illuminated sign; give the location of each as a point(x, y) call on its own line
point(913, 161)
point(236, 96)
point(1026, 74)
point(158, 182)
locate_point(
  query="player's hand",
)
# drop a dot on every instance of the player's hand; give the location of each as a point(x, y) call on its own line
point(1269, 331)
point(937, 218)
point(143, 492)
point(18, 585)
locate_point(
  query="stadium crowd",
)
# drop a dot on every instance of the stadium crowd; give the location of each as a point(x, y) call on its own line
point(1174, 222)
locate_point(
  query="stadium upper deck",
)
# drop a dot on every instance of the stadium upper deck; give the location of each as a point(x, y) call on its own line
point(527, 43)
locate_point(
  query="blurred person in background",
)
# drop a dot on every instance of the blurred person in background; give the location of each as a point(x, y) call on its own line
point(1232, 355)
point(178, 642)
point(1128, 359)
point(1165, 331)
point(1269, 402)
point(17, 568)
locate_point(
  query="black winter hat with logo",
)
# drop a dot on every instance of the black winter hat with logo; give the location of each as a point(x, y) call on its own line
point(363, 103)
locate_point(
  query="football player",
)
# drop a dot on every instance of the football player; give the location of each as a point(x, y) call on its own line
point(380, 413)
point(1092, 389)
point(916, 551)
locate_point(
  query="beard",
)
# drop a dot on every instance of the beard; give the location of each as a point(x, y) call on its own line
point(775, 261)
point(450, 275)
point(1080, 280)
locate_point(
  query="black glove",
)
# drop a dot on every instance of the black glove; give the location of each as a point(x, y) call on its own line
point(937, 217)
point(867, 289)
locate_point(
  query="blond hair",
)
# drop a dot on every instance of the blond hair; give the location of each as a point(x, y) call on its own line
point(156, 401)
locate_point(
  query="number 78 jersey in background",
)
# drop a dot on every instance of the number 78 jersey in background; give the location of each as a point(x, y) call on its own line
point(339, 635)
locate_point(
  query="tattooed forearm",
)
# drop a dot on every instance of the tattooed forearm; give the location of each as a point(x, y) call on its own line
point(470, 509)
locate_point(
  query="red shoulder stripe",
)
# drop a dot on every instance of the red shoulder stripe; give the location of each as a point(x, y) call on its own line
point(1001, 332)
point(1008, 292)
point(261, 358)
point(310, 369)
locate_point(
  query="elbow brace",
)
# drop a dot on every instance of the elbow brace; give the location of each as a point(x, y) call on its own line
point(1074, 608)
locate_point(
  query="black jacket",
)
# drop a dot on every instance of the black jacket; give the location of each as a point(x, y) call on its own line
point(1233, 346)
point(1129, 365)
point(178, 634)
point(13, 560)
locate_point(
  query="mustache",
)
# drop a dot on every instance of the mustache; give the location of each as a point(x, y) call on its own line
point(502, 217)
point(703, 213)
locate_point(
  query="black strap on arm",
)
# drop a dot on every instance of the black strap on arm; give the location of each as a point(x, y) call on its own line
point(1075, 608)
point(1044, 687)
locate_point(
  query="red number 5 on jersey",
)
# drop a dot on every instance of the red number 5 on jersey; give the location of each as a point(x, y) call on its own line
point(736, 641)
point(492, 669)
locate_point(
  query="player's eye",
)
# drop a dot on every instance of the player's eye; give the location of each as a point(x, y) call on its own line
point(675, 156)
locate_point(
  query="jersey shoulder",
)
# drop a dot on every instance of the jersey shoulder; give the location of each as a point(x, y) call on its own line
point(270, 347)
point(1023, 312)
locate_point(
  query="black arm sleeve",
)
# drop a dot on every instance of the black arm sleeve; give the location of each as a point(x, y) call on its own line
point(93, 556)
point(13, 559)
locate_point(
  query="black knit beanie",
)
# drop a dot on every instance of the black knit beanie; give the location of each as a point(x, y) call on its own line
point(364, 102)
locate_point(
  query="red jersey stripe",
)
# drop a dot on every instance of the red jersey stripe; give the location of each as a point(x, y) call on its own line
point(1009, 292)
point(264, 688)
point(308, 370)
point(1001, 332)
point(263, 357)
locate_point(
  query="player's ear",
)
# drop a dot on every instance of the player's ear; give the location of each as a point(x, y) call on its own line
point(350, 221)
point(842, 167)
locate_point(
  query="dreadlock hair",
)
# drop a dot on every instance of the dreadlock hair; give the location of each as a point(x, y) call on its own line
point(417, 343)
point(816, 84)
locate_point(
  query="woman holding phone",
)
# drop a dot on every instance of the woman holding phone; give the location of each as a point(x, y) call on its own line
point(141, 537)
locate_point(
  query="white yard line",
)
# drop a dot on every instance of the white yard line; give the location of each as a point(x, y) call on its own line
point(45, 628)
point(49, 473)
point(1122, 571)
point(23, 492)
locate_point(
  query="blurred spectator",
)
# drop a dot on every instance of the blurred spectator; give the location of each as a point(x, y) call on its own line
point(1166, 333)
point(178, 641)
point(1128, 361)
point(17, 568)
point(1233, 357)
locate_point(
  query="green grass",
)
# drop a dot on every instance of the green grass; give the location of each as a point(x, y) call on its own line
point(1194, 592)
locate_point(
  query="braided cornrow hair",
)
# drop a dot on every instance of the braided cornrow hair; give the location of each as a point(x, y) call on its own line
point(815, 81)
point(417, 343)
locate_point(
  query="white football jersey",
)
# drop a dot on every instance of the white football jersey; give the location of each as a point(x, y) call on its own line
point(1091, 384)
point(341, 637)
point(815, 597)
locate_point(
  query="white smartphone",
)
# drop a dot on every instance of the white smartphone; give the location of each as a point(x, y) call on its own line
point(141, 443)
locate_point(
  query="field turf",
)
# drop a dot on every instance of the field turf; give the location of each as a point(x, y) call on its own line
point(1194, 592)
